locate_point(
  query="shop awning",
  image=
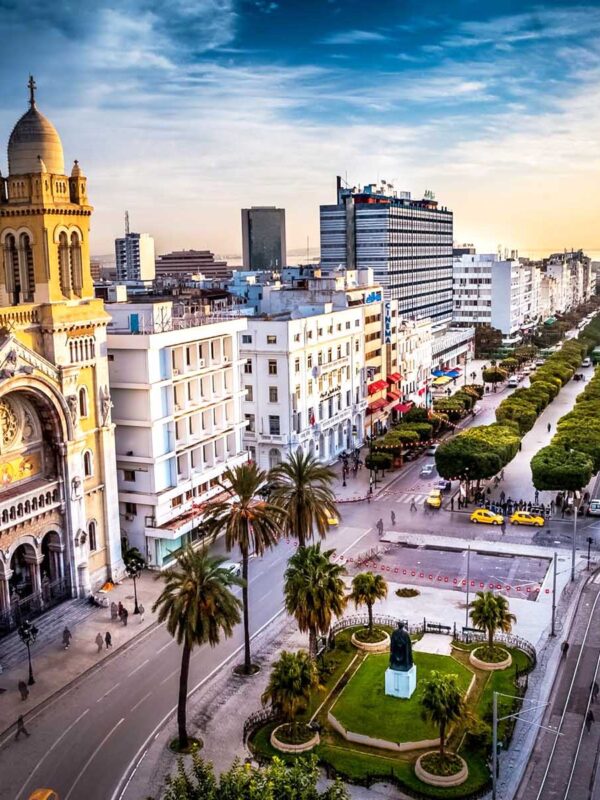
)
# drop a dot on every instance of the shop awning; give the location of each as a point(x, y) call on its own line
point(442, 381)
point(453, 374)
point(376, 405)
point(392, 395)
point(376, 387)
point(393, 377)
point(422, 391)
point(402, 408)
point(438, 373)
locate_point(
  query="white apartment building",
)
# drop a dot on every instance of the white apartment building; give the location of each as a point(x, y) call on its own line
point(304, 382)
point(175, 385)
point(135, 257)
point(415, 357)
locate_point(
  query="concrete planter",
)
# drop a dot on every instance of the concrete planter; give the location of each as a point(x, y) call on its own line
point(372, 647)
point(489, 666)
point(441, 780)
point(284, 747)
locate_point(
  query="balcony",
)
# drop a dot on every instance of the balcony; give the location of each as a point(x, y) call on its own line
point(23, 506)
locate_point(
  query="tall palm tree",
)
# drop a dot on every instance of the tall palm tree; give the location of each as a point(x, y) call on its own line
point(443, 702)
point(249, 522)
point(490, 612)
point(314, 591)
point(366, 589)
point(288, 691)
point(302, 485)
point(197, 605)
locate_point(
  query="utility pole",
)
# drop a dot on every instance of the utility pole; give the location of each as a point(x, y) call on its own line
point(468, 581)
point(574, 543)
point(553, 631)
point(494, 744)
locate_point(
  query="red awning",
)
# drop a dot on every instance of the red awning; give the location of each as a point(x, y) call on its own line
point(421, 391)
point(394, 377)
point(376, 405)
point(392, 395)
point(402, 408)
point(376, 387)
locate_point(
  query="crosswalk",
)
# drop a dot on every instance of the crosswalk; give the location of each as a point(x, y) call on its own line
point(408, 497)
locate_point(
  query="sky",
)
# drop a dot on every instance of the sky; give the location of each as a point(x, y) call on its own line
point(186, 111)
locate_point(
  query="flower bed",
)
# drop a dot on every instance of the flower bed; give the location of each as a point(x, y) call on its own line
point(486, 659)
point(300, 740)
point(376, 642)
point(452, 770)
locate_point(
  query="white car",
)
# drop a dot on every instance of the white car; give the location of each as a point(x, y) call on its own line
point(587, 362)
point(426, 470)
point(513, 383)
point(233, 567)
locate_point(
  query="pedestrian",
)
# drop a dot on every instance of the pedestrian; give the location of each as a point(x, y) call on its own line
point(549, 427)
point(502, 475)
point(452, 503)
point(502, 496)
point(114, 611)
point(488, 491)
point(589, 718)
point(413, 505)
point(536, 497)
point(120, 609)
point(380, 526)
point(564, 649)
point(67, 636)
point(108, 639)
point(21, 728)
point(99, 641)
point(595, 690)
point(552, 507)
point(503, 526)
point(124, 616)
point(393, 516)
point(141, 608)
point(24, 689)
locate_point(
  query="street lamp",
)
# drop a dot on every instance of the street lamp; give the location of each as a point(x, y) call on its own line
point(134, 564)
point(28, 634)
point(589, 541)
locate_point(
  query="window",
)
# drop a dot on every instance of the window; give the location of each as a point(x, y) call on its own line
point(274, 458)
point(249, 393)
point(274, 427)
point(297, 365)
point(246, 338)
point(83, 404)
point(272, 367)
point(310, 387)
point(248, 367)
point(88, 467)
point(250, 420)
point(252, 452)
point(92, 536)
point(271, 339)
point(131, 508)
point(309, 361)
point(129, 475)
point(111, 357)
point(273, 394)
point(296, 337)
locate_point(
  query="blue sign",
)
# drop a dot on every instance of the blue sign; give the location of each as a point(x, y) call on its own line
point(373, 297)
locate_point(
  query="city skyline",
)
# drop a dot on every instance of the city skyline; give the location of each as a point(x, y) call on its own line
point(230, 104)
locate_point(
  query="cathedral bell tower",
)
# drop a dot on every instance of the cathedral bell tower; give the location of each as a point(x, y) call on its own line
point(59, 519)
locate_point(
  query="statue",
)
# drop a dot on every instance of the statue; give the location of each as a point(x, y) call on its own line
point(400, 650)
point(106, 404)
point(73, 407)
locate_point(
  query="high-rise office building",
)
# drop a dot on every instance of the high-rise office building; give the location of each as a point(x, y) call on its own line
point(407, 242)
point(135, 256)
point(263, 237)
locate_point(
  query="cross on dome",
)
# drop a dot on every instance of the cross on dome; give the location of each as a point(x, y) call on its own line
point(32, 86)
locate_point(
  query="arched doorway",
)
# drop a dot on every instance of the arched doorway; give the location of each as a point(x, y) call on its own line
point(274, 457)
point(52, 566)
point(24, 579)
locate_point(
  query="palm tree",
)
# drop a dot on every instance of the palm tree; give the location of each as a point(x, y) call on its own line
point(197, 605)
point(249, 522)
point(366, 589)
point(490, 612)
point(314, 591)
point(302, 486)
point(288, 691)
point(442, 702)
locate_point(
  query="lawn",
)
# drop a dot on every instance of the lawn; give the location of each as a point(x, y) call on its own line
point(363, 707)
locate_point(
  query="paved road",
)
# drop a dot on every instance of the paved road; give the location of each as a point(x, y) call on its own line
point(85, 741)
point(565, 766)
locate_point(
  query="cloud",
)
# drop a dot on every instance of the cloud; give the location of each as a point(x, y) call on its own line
point(353, 37)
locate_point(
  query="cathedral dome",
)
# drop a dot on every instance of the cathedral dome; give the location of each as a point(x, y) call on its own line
point(34, 145)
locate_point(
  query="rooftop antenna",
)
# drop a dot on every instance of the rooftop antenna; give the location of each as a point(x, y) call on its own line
point(127, 223)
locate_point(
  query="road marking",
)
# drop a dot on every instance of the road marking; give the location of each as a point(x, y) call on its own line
point(139, 666)
point(91, 758)
point(170, 675)
point(164, 647)
point(139, 702)
point(112, 688)
point(39, 764)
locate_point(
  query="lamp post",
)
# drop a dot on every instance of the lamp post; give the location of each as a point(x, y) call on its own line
point(468, 579)
point(574, 542)
point(28, 634)
point(134, 564)
point(589, 541)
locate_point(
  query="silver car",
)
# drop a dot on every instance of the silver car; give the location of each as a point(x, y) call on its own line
point(427, 470)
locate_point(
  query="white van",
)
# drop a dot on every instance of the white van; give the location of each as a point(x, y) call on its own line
point(587, 362)
point(594, 508)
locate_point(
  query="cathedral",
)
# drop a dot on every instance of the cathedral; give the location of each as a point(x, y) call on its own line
point(59, 509)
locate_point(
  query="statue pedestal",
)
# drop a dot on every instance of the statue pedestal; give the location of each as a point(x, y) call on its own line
point(400, 684)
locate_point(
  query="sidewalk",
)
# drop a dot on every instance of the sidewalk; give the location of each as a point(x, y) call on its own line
point(54, 668)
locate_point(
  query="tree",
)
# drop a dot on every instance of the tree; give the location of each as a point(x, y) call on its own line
point(367, 588)
point(197, 605)
point(487, 340)
point(490, 613)
point(288, 691)
point(379, 460)
point(314, 591)
point(442, 703)
point(276, 781)
point(302, 486)
point(554, 468)
point(249, 522)
point(134, 564)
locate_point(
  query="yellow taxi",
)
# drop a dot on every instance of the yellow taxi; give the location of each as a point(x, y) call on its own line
point(526, 518)
point(43, 794)
point(486, 517)
point(333, 521)
point(434, 499)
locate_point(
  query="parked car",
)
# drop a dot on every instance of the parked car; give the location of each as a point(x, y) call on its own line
point(587, 362)
point(333, 521)
point(539, 362)
point(594, 508)
point(486, 517)
point(431, 450)
point(443, 485)
point(434, 499)
point(233, 567)
point(426, 470)
point(513, 383)
point(526, 518)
